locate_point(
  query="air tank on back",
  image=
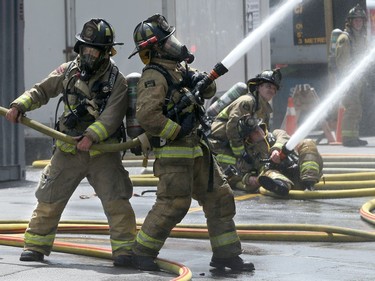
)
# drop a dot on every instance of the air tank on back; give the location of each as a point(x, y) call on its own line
point(227, 98)
point(133, 129)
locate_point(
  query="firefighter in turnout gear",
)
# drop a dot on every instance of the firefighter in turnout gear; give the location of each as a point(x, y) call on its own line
point(95, 102)
point(183, 161)
point(269, 167)
point(351, 44)
point(225, 140)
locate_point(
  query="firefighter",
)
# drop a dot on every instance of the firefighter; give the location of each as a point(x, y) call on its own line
point(183, 161)
point(270, 167)
point(95, 101)
point(225, 139)
point(351, 44)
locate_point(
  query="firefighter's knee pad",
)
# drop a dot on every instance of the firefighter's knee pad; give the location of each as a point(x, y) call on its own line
point(307, 146)
point(179, 207)
point(308, 151)
point(220, 203)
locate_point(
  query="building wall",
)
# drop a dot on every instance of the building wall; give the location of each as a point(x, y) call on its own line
point(12, 159)
point(211, 28)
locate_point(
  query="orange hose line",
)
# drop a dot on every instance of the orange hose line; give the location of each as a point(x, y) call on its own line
point(183, 272)
point(348, 154)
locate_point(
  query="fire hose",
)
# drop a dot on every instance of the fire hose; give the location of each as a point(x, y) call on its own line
point(68, 139)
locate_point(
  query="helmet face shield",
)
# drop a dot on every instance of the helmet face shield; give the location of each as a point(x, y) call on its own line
point(174, 49)
point(256, 135)
point(90, 60)
point(247, 124)
point(155, 33)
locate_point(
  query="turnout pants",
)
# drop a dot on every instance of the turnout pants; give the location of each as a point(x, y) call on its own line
point(180, 180)
point(59, 180)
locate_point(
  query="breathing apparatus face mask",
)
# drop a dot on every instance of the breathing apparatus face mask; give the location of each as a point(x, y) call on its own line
point(90, 61)
point(175, 50)
point(257, 135)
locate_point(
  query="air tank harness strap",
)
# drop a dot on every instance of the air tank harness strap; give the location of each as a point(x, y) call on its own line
point(146, 148)
point(168, 77)
point(210, 185)
point(157, 141)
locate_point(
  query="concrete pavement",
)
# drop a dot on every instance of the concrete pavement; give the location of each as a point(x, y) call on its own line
point(274, 260)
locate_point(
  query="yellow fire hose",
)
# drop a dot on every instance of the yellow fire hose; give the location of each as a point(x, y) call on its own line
point(326, 194)
point(260, 232)
point(256, 232)
point(182, 271)
point(292, 232)
point(68, 139)
point(350, 176)
point(365, 211)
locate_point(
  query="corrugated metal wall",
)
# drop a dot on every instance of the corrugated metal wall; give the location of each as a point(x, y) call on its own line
point(12, 156)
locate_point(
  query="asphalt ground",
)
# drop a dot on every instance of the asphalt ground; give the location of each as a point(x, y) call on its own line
point(282, 256)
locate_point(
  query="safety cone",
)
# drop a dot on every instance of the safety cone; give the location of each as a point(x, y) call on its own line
point(291, 119)
point(340, 115)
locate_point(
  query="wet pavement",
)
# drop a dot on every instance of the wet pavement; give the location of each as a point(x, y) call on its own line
point(275, 258)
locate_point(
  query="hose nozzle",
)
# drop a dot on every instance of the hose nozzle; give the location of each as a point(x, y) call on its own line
point(285, 152)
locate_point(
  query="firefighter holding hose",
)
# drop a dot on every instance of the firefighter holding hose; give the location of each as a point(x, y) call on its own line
point(270, 167)
point(167, 110)
point(225, 140)
point(94, 93)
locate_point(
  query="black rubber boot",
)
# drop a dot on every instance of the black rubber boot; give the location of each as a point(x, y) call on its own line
point(145, 263)
point(30, 255)
point(363, 142)
point(275, 186)
point(123, 261)
point(235, 263)
point(354, 142)
point(308, 185)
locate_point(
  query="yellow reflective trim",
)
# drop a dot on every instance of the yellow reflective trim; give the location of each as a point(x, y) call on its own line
point(99, 129)
point(226, 159)
point(237, 150)
point(149, 242)
point(72, 106)
point(66, 147)
point(178, 152)
point(122, 244)
point(46, 240)
point(27, 102)
point(168, 130)
point(309, 165)
point(224, 239)
point(69, 148)
point(223, 115)
point(349, 133)
point(278, 145)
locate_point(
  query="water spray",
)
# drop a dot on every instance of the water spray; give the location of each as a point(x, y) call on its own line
point(244, 46)
point(322, 110)
point(195, 98)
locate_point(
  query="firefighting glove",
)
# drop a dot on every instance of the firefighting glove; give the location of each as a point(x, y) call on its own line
point(187, 125)
point(195, 77)
point(136, 150)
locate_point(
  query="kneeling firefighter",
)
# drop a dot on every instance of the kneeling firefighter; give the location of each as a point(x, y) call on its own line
point(183, 161)
point(269, 167)
point(225, 140)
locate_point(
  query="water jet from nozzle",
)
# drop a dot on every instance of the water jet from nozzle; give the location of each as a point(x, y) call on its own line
point(332, 99)
point(256, 35)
